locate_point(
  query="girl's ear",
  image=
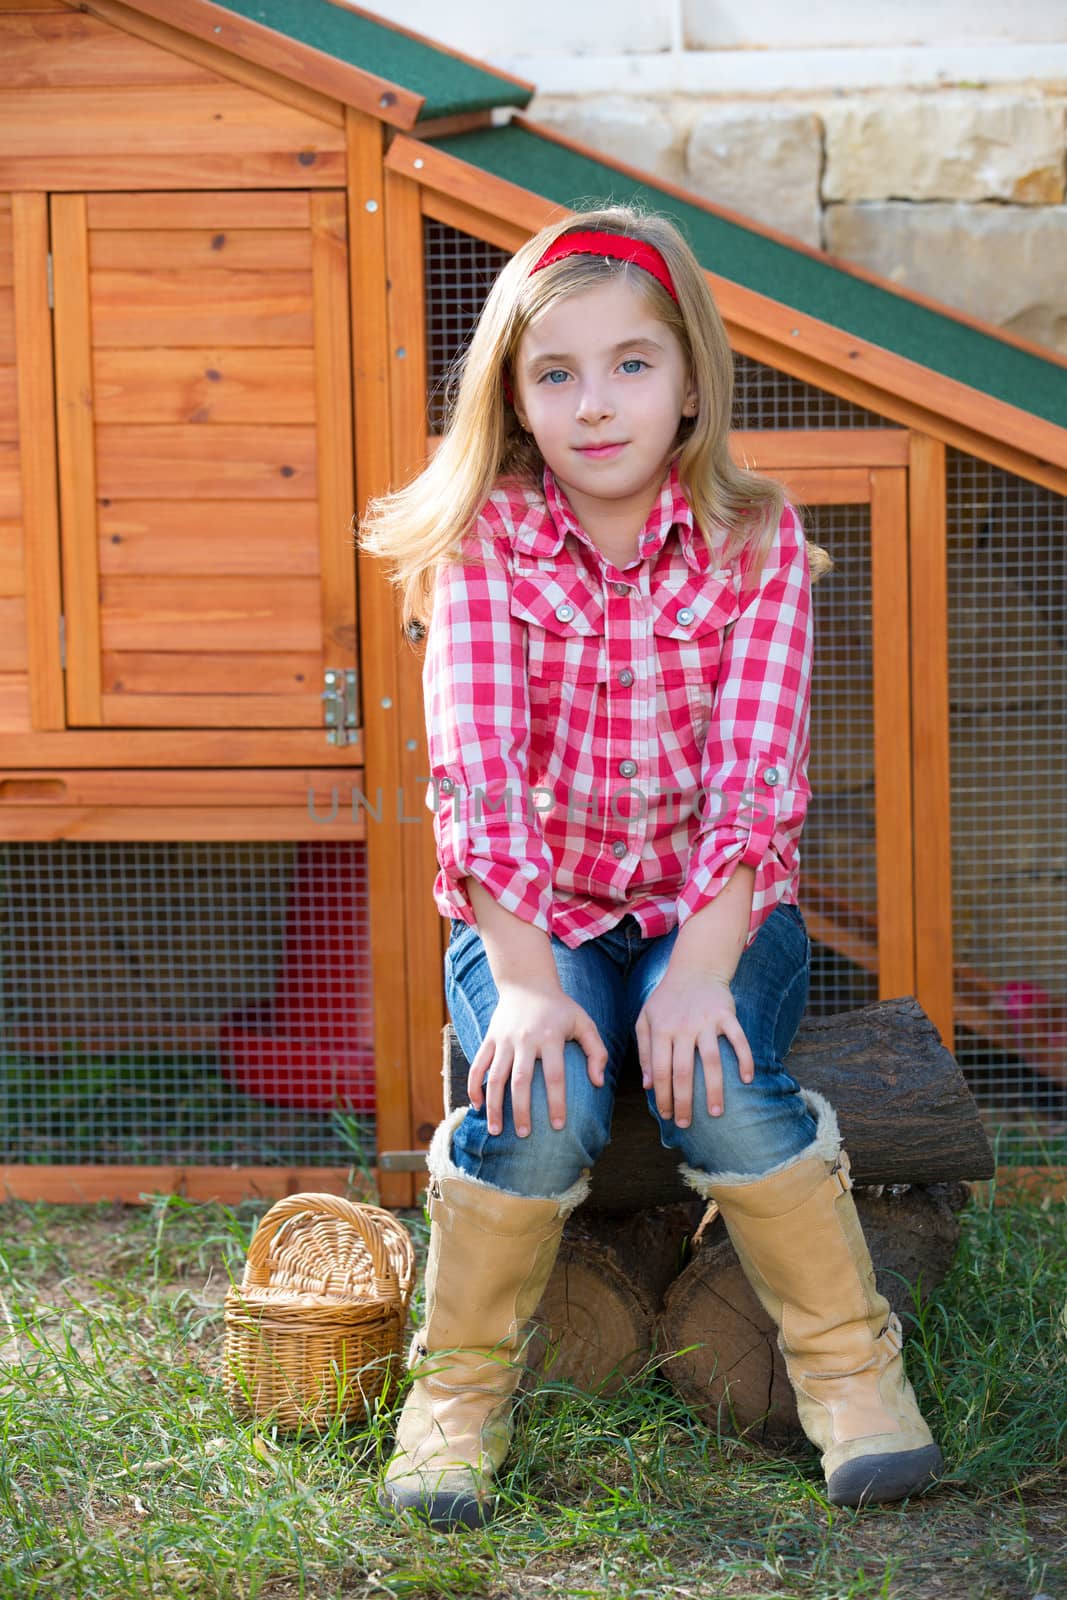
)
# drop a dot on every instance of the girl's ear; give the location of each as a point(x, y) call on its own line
point(692, 403)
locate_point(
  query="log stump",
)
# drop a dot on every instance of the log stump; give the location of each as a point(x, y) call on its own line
point(598, 1314)
point(906, 1113)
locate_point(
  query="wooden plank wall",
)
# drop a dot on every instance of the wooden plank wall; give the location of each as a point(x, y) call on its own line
point(178, 121)
point(105, 98)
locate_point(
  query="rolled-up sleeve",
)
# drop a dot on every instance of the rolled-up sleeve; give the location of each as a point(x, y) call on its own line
point(754, 774)
point(478, 732)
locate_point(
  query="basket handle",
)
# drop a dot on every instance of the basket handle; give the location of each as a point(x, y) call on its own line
point(362, 1218)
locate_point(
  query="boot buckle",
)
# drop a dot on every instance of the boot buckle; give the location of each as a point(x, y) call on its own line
point(892, 1335)
point(841, 1170)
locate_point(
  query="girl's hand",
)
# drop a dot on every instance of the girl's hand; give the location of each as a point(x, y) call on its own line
point(531, 1021)
point(685, 1013)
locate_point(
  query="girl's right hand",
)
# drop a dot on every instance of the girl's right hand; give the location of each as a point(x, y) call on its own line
point(531, 1022)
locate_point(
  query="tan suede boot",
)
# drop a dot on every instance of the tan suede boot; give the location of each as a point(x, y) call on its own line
point(489, 1260)
point(800, 1242)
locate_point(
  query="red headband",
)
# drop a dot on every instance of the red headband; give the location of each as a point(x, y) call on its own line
point(616, 245)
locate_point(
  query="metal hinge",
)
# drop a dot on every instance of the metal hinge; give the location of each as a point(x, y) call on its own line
point(340, 708)
point(62, 642)
point(51, 285)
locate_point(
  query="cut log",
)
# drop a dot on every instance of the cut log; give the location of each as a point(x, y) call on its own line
point(599, 1310)
point(905, 1110)
point(730, 1370)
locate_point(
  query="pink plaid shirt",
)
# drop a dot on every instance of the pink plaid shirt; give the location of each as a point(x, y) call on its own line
point(605, 741)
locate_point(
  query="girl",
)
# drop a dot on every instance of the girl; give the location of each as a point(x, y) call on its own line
point(617, 680)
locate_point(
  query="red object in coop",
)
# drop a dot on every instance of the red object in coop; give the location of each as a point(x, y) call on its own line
point(311, 1046)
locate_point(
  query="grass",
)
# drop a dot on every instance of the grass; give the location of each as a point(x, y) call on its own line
point(123, 1473)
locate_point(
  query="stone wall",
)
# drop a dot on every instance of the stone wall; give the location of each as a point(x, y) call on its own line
point(957, 193)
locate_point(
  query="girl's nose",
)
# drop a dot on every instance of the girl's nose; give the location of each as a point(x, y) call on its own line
point(593, 404)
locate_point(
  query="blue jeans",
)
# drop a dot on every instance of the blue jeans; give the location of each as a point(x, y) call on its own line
point(763, 1123)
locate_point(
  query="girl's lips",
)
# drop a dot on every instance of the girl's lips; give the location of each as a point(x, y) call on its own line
point(599, 452)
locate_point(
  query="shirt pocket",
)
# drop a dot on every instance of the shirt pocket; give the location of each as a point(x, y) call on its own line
point(690, 620)
point(564, 622)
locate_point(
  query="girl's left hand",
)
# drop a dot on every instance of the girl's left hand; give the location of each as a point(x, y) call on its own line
point(683, 1014)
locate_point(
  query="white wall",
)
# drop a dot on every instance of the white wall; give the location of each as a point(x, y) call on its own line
point(782, 24)
point(689, 45)
point(553, 27)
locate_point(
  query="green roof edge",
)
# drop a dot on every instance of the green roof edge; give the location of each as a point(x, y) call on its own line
point(933, 339)
point(449, 86)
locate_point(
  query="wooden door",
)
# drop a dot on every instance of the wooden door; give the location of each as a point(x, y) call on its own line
point(857, 876)
point(203, 394)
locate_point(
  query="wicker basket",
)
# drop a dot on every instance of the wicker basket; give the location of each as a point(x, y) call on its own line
point(314, 1331)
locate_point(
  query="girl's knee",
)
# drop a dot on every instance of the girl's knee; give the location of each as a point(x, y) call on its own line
point(761, 1123)
point(547, 1160)
point(581, 1140)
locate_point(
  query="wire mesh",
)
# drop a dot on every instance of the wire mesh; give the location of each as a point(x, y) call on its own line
point(459, 273)
point(767, 398)
point(1007, 589)
point(838, 880)
point(192, 1003)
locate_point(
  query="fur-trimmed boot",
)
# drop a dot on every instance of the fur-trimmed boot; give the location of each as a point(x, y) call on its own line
point(800, 1242)
point(489, 1260)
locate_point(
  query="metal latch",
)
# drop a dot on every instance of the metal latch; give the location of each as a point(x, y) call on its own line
point(401, 1161)
point(340, 712)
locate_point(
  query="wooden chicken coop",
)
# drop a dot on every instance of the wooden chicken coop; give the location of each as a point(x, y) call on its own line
point(240, 248)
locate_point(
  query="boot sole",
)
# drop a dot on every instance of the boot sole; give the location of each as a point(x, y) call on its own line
point(441, 1509)
point(869, 1480)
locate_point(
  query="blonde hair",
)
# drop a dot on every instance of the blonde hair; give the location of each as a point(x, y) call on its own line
point(422, 524)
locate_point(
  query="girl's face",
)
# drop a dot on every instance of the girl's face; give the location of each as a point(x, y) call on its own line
point(602, 385)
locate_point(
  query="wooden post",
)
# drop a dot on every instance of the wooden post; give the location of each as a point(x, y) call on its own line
point(890, 645)
point(928, 548)
point(378, 641)
point(423, 923)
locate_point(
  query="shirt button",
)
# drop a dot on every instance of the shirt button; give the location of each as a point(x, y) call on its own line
point(621, 588)
point(685, 614)
point(626, 677)
point(628, 768)
point(446, 786)
point(771, 775)
point(564, 612)
point(618, 849)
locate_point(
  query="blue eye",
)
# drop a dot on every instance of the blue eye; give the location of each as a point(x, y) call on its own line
point(553, 376)
point(633, 364)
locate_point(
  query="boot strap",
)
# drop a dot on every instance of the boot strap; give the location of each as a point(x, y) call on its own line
point(888, 1344)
